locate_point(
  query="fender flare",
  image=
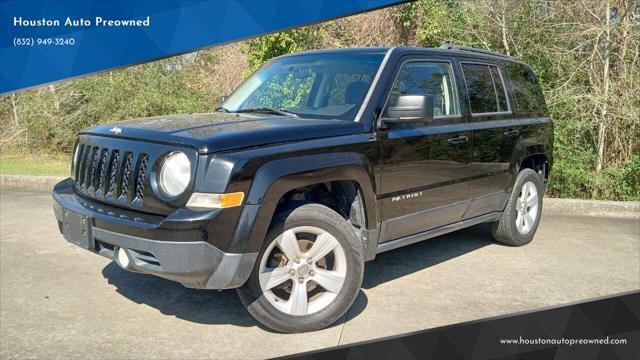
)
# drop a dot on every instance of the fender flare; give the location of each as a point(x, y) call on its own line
point(277, 177)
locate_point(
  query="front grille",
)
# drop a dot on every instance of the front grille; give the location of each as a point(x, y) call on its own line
point(118, 172)
point(104, 162)
point(141, 177)
point(115, 163)
point(126, 175)
point(102, 174)
point(92, 174)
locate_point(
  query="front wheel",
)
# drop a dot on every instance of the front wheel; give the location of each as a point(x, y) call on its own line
point(521, 216)
point(308, 273)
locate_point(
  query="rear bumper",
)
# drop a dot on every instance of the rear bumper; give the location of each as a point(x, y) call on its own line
point(195, 264)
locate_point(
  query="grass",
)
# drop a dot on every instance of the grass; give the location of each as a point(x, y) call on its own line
point(27, 164)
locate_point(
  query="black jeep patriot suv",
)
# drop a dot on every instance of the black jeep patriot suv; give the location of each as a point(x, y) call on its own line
point(315, 164)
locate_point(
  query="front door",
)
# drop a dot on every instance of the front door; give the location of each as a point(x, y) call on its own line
point(424, 165)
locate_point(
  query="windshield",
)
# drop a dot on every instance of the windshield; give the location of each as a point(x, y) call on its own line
point(322, 86)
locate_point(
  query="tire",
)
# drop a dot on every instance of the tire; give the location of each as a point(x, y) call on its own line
point(514, 227)
point(275, 306)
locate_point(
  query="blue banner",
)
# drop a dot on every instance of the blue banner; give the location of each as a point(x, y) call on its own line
point(46, 41)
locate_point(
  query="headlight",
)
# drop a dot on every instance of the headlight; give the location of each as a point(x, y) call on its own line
point(175, 174)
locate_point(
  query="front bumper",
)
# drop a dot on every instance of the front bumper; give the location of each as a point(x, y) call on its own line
point(195, 264)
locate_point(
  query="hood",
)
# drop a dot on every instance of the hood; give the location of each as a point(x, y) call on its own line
point(215, 132)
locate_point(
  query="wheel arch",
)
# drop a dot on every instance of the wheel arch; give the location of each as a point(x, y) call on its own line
point(539, 163)
point(278, 178)
point(534, 153)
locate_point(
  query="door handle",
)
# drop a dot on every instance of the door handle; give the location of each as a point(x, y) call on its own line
point(458, 139)
point(511, 133)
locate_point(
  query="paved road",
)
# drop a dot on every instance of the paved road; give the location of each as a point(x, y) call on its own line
point(57, 300)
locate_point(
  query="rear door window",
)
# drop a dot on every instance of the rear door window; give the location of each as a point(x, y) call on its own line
point(487, 93)
point(527, 94)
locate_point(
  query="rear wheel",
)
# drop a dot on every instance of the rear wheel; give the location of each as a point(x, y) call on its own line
point(521, 216)
point(308, 273)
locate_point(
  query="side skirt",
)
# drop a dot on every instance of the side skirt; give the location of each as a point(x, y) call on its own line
point(412, 239)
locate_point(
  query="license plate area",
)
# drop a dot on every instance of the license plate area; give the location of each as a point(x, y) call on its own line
point(76, 228)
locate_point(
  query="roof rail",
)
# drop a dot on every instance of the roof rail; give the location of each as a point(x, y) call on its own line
point(472, 49)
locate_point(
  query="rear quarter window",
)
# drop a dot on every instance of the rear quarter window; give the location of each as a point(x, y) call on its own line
point(526, 91)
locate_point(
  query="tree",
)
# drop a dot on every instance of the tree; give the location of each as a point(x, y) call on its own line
point(260, 50)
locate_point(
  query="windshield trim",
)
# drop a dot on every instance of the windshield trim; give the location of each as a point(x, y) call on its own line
point(373, 85)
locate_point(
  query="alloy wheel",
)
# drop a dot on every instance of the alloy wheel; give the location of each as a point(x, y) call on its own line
point(527, 208)
point(303, 270)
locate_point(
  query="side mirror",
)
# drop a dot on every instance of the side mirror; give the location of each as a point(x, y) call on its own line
point(222, 98)
point(410, 109)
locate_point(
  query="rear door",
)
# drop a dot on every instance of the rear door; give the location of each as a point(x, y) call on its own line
point(425, 166)
point(495, 134)
point(507, 115)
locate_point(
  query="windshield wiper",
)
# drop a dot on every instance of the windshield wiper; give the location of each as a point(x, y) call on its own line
point(222, 108)
point(281, 112)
